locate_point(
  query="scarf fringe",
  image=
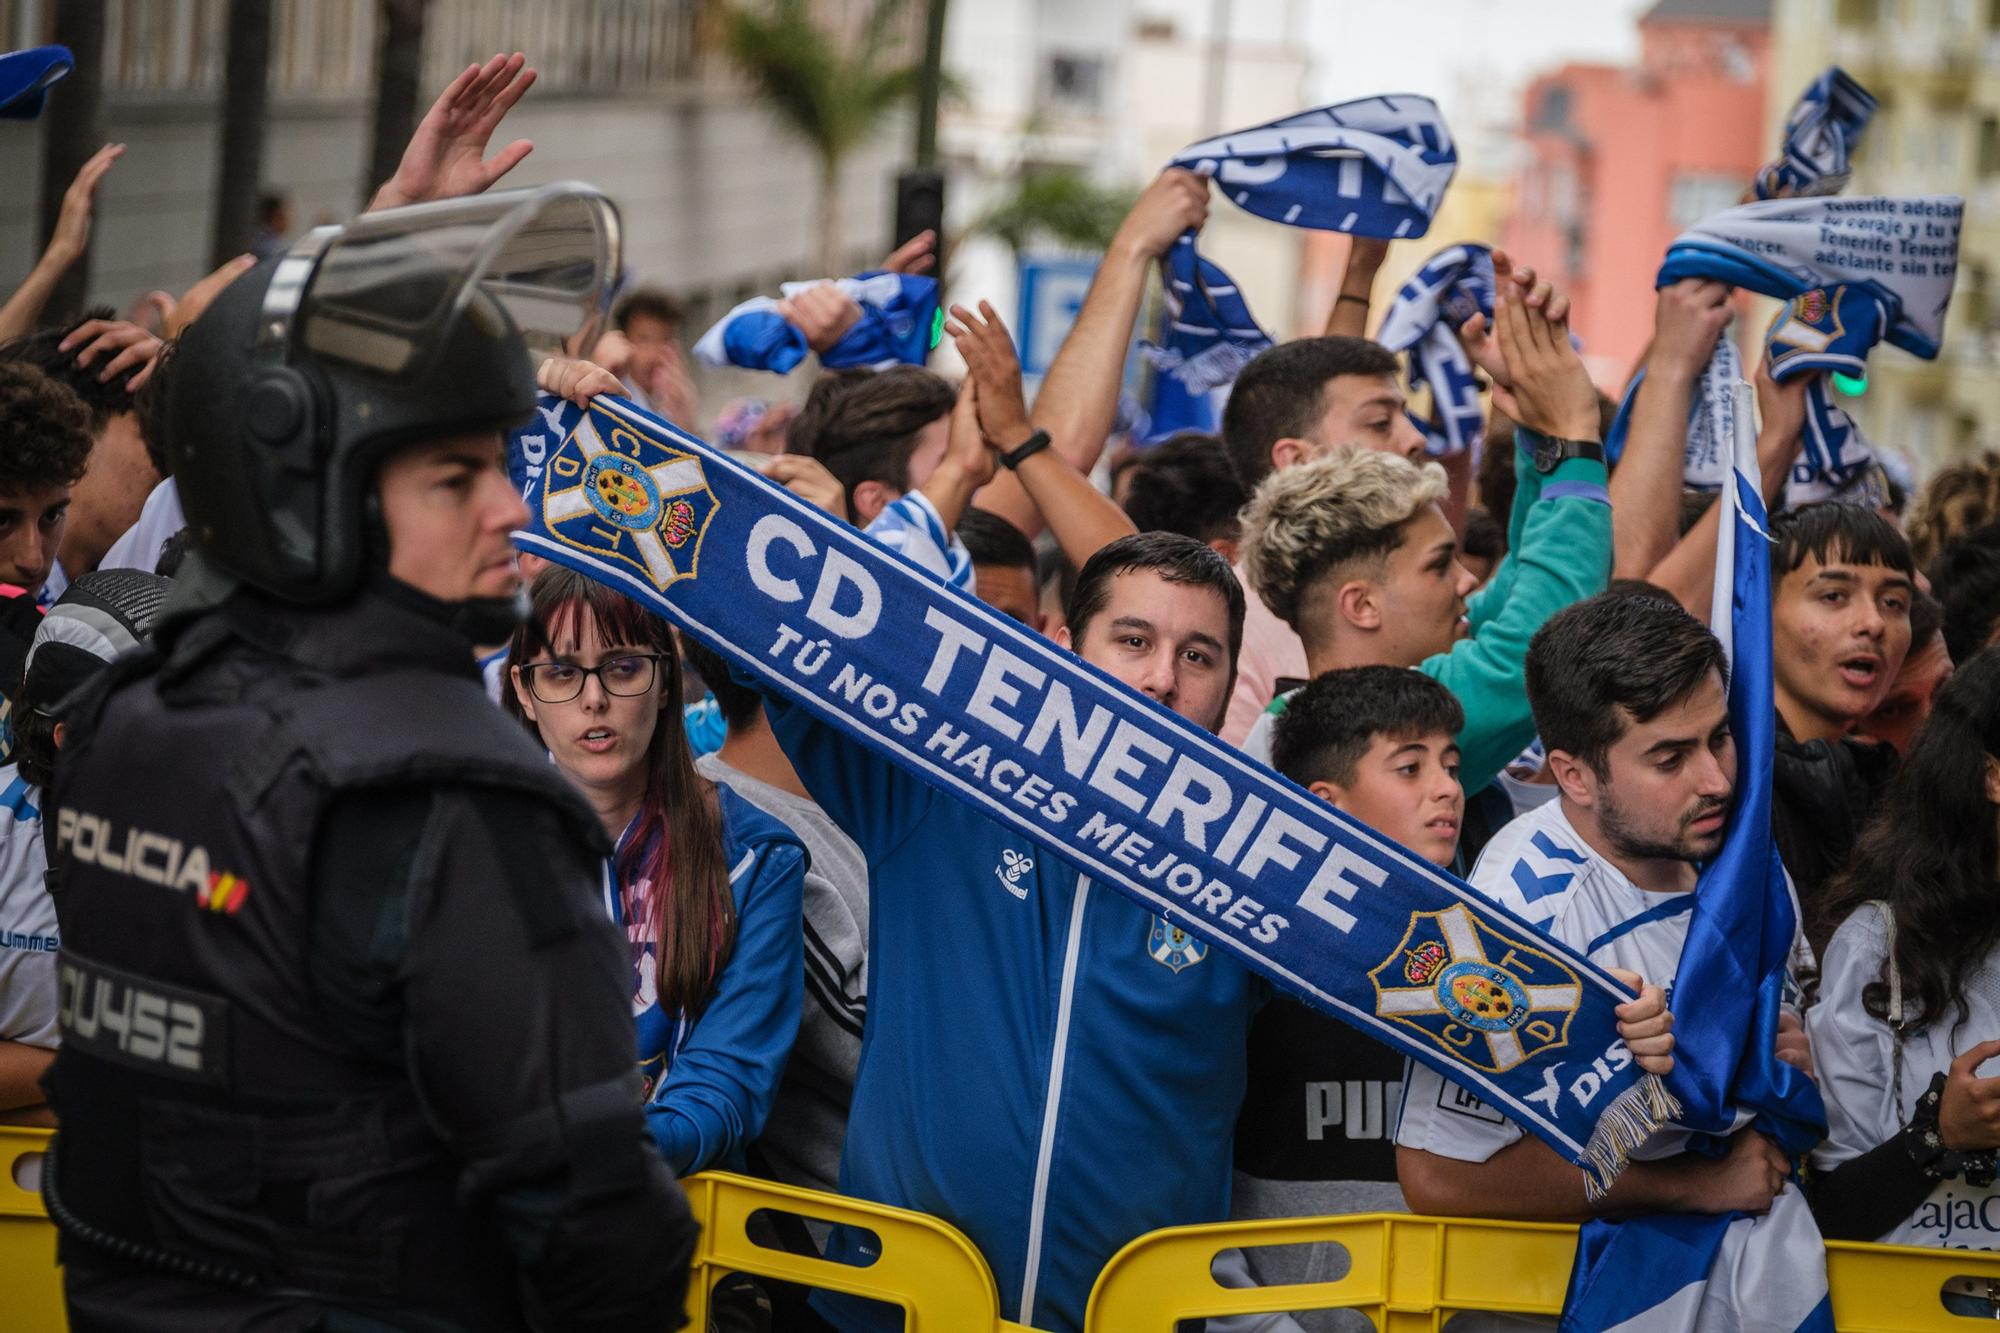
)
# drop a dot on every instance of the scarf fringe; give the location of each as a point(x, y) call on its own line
point(1641, 1111)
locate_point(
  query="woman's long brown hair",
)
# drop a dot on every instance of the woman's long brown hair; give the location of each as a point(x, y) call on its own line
point(678, 842)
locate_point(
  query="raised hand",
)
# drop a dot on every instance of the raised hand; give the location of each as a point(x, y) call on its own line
point(1688, 319)
point(1546, 387)
point(72, 230)
point(823, 313)
point(188, 307)
point(1175, 202)
point(989, 357)
point(446, 157)
point(579, 381)
point(916, 255)
point(127, 349)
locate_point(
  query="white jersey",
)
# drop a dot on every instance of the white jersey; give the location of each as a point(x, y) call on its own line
point(1854, 1054)
point(158, 521)
point(28, 939)
point(1540, 868)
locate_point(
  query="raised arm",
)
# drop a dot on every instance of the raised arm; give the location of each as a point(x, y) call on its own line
point(66, 245)
point(1688, 571)
point(1082, 517)
point(446, 156)
point(1078, 401)
point(1349, 316)
point(1688, 318)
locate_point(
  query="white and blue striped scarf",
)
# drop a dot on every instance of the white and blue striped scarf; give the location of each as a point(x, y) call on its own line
point(1455, 284)
point(1821, 134)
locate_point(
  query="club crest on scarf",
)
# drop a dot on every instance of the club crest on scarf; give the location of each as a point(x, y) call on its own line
point(1491, 1001)
point(644, 506)
point(1173, 947)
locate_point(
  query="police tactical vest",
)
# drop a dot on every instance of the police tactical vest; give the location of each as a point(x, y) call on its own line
point(213, 1124)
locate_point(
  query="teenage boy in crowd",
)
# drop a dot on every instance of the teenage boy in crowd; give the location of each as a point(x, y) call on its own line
point(1352, 551)
point(1842, 584)
point(47, 429)
point(1296, 401)
point(98, 359)
point(1004, 570)
point(1187, 485)
point(1631, 702)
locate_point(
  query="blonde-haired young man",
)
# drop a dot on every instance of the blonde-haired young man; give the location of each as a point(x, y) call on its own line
point(1353, 551)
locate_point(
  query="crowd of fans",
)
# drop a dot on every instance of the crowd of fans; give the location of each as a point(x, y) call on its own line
point(1505, 668)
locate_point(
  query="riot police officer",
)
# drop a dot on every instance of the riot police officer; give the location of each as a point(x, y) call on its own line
point(347, 1040)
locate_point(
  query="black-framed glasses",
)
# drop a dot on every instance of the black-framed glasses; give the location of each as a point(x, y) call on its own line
point(626, 675)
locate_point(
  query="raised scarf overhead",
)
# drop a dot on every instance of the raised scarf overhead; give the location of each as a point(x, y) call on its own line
point(1855, 272)
point(1454, 284)
point(1377, 166)
point(26, 77)
point(899, 325)
point(1691, 1271)
point(1821, 134)
point(1141, 800)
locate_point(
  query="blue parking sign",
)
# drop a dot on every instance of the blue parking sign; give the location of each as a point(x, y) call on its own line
point(1052, 291)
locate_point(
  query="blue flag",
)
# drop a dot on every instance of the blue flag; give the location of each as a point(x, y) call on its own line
point(1728, 1270)
point(1821, 134)
point(1138, 798)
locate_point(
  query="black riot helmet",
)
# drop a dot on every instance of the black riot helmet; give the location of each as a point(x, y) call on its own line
point(406, 325)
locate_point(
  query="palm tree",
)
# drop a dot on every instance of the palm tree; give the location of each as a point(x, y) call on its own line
point(833, 94)
point(1057, 205)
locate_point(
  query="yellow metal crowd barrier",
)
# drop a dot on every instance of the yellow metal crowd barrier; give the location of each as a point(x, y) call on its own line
point(1405, 1273)
point(1413, 1273)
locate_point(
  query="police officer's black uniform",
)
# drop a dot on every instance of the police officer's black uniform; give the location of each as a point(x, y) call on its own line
point(347, 1040)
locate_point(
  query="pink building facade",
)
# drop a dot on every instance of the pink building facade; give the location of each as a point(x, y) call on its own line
point(1619, 161)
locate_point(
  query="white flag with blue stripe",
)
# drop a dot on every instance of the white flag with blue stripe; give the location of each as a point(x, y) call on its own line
point(1727, 1271)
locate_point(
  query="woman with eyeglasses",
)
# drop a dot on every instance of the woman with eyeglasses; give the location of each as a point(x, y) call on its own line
point(705, 887)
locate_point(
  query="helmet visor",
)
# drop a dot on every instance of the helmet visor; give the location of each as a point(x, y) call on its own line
point(379, 294)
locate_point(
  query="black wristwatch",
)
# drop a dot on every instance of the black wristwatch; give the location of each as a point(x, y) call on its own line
point(1025, 450)
point(1552, 450)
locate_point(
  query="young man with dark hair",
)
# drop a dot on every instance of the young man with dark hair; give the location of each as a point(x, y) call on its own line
point(1296, 401)
point(1841, 585)
point(107, 499)
point(1187, 485)
point(1352, 551)
point(1926, 667)
point(880, 433)
point(1003, 566)
point(1314, 1135)
point(992, 961)
point(144, 544)
point(1630, 699)
point(47, 430)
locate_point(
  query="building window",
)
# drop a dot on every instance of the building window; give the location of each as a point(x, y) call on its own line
point(1695, 196)
point(1856, 13)
point(1989, 147)
point(1077, 82)
point(1552, 112)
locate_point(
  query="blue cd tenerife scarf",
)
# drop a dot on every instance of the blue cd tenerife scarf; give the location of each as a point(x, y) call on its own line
point(1374, 167)
point(1455, 284)
point(1855, 272)
point(1821, 134)
point(1155, 808)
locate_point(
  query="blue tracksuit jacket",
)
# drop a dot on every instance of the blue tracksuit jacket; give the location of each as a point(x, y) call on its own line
point(1044, 1064)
